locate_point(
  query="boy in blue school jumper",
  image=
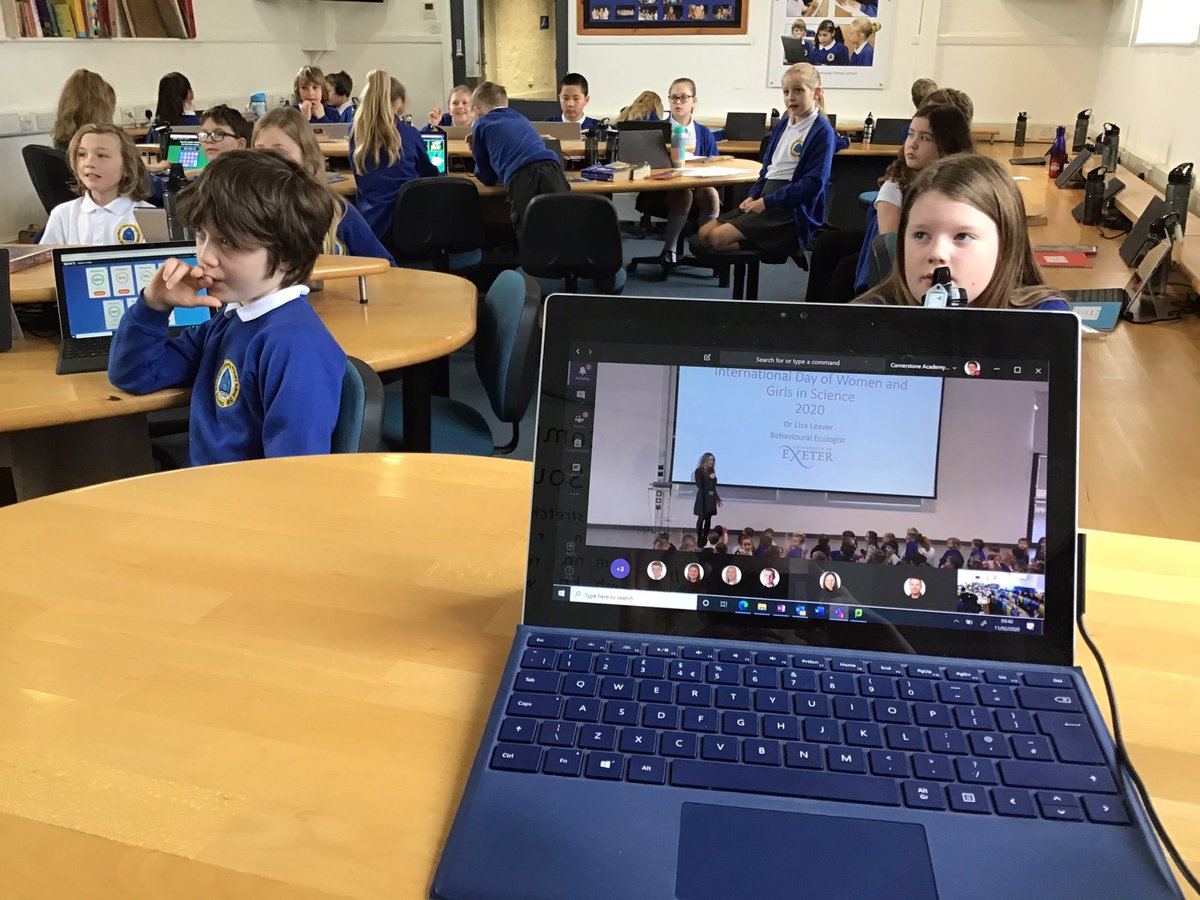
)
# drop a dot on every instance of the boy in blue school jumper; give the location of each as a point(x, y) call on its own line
point(266, 375)
point(573, 99)
point(308, 95)
point(508, 150)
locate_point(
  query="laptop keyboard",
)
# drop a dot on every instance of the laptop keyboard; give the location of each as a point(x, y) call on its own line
point(984, 741)
point(86, 348)
point(1097, 295)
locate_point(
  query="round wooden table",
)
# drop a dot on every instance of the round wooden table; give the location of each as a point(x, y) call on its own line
point(64, 431)
point(269, 679)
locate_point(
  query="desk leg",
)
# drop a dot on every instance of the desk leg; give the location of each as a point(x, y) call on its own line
point(418, 384)
point(362, 288)
point(63, 457)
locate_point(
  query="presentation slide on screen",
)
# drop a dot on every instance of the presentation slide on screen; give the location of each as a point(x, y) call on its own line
point(810, 431)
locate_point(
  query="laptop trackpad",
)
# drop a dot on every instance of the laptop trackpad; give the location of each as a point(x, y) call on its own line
point(727, 852)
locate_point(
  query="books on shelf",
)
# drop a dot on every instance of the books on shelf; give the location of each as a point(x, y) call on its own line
point(98, 18)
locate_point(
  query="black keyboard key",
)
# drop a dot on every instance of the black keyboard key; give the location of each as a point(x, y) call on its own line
point(719, 748)
point(518, 731)
point(1015, 721)
point(724, 673)
point(516, 758)
point(611, 664)
point(694, 695)
point(904, 737)
point(580, 685)
point(781, 728)
point(582, 710)
point(853, 708)
point(808, 662)
point(802, 756)
point(605, 766)
point(618, 713)
point(733, 698)
point(876, 686)
point(973, 717)
point(618, 688)
point(772, 658)
point(845, 665)
point(955, 692)
point(1057, 776)
point(964, 798)
point(700, 720)
point(1049, 680)
point(946, 740)
point(976, 771)
point(761, 753)
point(923, 796)
point(915, 689)
point(933, 768)
point(537, 658)
point(598, 737)
point(810, 704)
point(575, 661)
point(739, 723)
point(1055, 798)
point(838, 683)
point(655, 715)
point(1105, 810)
point(646, 667)
point(563, 762)
point(800, 680)
point(893, 711)
point(932, 715)
point(703, 653)
point(638, 740)
point(989, 743)
point(1032, 746)
point(556, 734)
point(648, 770)
point(996, 695)
point(760, 677)
point(919, 671)
point(880, 668)
point(678, 743)
point(954, 674)
point(888, 762)
point(538, 681)
point(1049, 699)
point(785, 782)
point(663, 650)
point(554, 641)
point(686, 670)
point(772, 701)
point(540, 706)
point(735, 656)
point(592, 644)
point(655, 692)
point(625, 648)
point(1013, 802)
point(864, 735)
point(1072, 736)
point(846, 759)
point(1061, 813)
point(824, 731)
point(1012, 679)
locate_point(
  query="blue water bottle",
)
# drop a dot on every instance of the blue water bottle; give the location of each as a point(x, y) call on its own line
point(258, 105)
point(678, 146)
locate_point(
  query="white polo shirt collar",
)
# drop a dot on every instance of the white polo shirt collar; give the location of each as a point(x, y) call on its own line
point(256, 309)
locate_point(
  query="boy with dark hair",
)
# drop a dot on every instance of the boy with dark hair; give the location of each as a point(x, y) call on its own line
point(341, 86)
point(265, 374)
point(573, 100)
point(508, 150)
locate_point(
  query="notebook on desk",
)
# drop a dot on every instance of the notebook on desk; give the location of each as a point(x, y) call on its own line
point(674, 723)
point(96, 285)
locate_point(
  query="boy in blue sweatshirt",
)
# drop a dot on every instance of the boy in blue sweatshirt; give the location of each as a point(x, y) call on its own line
point(508, 150)
point(573, 99)
point(266, 375)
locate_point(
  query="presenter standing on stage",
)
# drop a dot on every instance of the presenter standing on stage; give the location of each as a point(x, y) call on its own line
point(707, 498)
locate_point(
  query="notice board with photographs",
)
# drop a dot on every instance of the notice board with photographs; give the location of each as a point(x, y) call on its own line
point(654, 17)
point(850, 40)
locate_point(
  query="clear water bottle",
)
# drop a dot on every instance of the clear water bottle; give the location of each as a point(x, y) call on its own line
point(868, 130)
point(678, 146)
point(258, 105)
point(1058, 152)
point(1179, 191)
point(1022, 125)
point(1079, 141)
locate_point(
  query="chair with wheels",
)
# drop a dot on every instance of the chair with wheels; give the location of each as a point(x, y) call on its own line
point(437, 224)
point(507, 341)
point(883, 255)
point(570, 242)
point(51, 175)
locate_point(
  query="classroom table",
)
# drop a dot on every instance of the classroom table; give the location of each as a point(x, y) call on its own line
point(64, 431)
point(250, 681)
point(36, 284)
point(741, 171)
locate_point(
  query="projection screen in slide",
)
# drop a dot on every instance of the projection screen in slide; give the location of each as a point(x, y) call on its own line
point(810, 431)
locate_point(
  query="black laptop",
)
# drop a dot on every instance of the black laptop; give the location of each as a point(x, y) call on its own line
point(96, 285)
point(795, 50)
point(643, 147)
point(745, 126)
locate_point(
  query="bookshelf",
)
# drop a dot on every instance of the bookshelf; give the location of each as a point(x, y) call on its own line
point(98, 19)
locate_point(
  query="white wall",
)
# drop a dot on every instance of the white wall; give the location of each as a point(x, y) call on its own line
point(242, 46)
point(985, 457)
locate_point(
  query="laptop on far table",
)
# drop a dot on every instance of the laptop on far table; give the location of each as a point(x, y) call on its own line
point(456, 132)
point(561, 131)
point(96, 285)
point(435, 148)
point(643, 147)
point(742, 126)
point(186, 151)
point(336, 131)
point(674, 723)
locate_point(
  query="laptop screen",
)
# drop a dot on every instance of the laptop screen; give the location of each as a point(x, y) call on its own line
point(187, 152)
point(435, 147)
point(738, 476)
point(97, 284)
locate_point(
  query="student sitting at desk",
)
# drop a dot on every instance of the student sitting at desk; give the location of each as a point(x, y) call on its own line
point(266, 375)
point(787, 203)
point(174, 107)
point(308, 96)
point(284, 131)
point(86, 99)
point(385, 153)
point(965, 212)
point(700, 142)
point(339, 86)
point(508, 149)
point(829, 49)
point(223, 129)
point(646, 107)
point(112, 181)
point(573, 98)
point(458, 110)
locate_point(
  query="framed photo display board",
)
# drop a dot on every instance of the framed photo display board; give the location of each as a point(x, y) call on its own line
point(655, 17)
point(850, 40)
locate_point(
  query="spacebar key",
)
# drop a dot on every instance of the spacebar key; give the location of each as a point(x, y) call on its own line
point(784, 782)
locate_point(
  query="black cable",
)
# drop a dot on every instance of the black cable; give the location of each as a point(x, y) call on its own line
point(1126, 763)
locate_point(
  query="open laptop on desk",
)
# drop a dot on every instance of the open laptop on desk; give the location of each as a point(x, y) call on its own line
point(337, 131)
point(187, 151)
point(673, 723)
point(560, 131)
point(95, 287)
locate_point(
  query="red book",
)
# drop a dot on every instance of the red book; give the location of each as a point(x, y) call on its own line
point(1057, 259)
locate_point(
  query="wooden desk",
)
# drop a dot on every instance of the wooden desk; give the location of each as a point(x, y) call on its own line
point(747, 173)
point(752, 149)
point(63, 431)
point(294, 714)
point(36, 284)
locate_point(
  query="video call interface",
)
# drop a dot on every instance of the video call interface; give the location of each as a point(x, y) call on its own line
point(851, 489)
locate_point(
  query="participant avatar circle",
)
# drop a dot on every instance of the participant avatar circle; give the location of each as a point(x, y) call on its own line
point(914, 588)
point(768, 577)
point(692, 572)
point(657, 570)
point(731, 574)
point(830, 581)
point(972, 368)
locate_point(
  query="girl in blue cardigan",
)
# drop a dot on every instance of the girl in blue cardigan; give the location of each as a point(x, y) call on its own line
point(700, 142)
point(787, 203)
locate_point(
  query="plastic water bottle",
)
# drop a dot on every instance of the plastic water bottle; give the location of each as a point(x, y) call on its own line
point(868, 130)
point(1058, 152)
point(678, 146)
point(258, 105)
point(1019, 134)
point(1079, 141)
point(1093, 196)
point(1179, 191)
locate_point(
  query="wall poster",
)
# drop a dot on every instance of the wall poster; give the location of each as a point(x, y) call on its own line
point(851, 40)
point(655, 17)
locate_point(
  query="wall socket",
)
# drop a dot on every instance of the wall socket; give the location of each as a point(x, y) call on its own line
point(1042, 132)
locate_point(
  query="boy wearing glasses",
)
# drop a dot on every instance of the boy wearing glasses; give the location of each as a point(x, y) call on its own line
point(222, 129)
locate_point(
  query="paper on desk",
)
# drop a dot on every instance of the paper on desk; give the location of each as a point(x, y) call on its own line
point(712, 171)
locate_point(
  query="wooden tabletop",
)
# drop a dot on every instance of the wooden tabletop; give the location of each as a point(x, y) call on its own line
point(747, 173)
point(412, 317)
point(290, 710)
point(36, 284)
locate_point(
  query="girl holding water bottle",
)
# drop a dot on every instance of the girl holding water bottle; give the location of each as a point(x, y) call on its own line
point(697, 141)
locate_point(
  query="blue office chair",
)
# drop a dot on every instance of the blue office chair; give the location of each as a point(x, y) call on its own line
point(358, 429)
point(507, 340)
point(883, 254)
